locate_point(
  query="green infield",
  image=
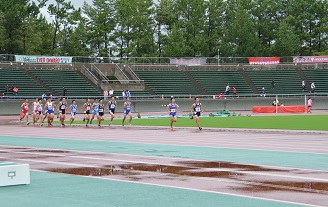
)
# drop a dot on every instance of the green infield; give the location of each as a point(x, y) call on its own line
point(296, 122)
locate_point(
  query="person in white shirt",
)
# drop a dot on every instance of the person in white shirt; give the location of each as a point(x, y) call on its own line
point(303, 85)
point(312, 87)
point(227, 90)
point(111, 92)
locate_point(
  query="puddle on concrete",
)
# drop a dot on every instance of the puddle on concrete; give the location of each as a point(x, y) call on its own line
point(229, 165)
point(50, 151)
point(87, 171)
point(202, 169)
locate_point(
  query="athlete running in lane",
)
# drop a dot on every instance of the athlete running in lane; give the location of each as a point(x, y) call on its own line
point(61, 107)
point(95, 109)
point(24, 112)
point(73, 109)
point(40, 112)
point(111, 105)
point(127, 110)
point(87, 111)
point(50, 106)
point(35, 106)
point(101, 112)
point(172, 108)
point(196, 110)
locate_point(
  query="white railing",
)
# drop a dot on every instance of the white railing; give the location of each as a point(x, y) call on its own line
point(133, 74)
point(121, 74)
point(90, 75)
point(100, 73)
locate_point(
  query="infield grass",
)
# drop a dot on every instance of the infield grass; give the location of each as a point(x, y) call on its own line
point(293, 122)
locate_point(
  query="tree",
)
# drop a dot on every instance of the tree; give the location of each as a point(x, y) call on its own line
point(240, 39)
point(287, 43)
point(65, 18)
point(176, 45)
point(100, 24)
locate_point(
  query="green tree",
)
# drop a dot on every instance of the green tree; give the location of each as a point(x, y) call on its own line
point(65, 18)
point(100, 24)
point(240, 39)
point(287, 43)
point(176, 44)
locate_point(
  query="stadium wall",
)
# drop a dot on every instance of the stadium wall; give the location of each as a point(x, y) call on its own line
point(319, 103)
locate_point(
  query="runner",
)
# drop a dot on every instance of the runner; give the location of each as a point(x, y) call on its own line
point(111, 105)
point(95, 109)
point(40, 113)
point(196, 109)
point(62, 111)
point(73, 108)
point(86, 108)
point(35, 106)
point(24, 112)
point(50, 111)
point(127, 110)
point(172, 109)
point(101, 112)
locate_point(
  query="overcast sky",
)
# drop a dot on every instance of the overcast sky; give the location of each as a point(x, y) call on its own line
point(76, 3)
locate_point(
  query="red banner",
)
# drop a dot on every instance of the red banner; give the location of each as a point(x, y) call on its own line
point(311, 59)
point(264, 60)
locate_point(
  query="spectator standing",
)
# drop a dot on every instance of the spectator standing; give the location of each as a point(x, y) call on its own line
point(303, 85)
point(44, 96)
point(263, 92)
point(128, 94)
point(123, 94)
point(105, 94)
point(234, 91)
point(312, 87)
point(227, 90)
point(64, 91)
point(309, 105)
point(111, 92)
point(7, 88)
point(273, 84)
point(12, 88)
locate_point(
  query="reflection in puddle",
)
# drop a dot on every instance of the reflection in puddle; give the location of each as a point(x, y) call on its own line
point(231, 171)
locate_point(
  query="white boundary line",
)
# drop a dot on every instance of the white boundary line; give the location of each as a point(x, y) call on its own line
point(190, 189)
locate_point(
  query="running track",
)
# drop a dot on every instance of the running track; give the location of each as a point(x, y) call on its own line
point(279, 167)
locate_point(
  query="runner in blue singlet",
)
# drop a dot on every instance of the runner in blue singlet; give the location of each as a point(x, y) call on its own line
point(73, 109)
point(172, 109)
point(127, 110)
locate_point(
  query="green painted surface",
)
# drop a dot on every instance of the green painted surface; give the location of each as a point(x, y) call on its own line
point(57, 190)
point(296, 122)
point(7, 163)
point(259, 157)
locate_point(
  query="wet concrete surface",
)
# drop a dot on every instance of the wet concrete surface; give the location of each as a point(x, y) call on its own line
point(294, 185)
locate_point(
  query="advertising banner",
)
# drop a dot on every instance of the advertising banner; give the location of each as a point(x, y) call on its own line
point(264, 60)
point(42, 59)
point(310, 59)
point(188, 62)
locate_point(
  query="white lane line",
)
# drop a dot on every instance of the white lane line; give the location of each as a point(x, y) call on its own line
point(172, 158)
point(158, 163)
point(181, 145)
point(192, 189)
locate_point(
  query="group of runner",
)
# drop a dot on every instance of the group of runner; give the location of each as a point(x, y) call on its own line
point(195, 109)
point(91, 111)
point(41, 111)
